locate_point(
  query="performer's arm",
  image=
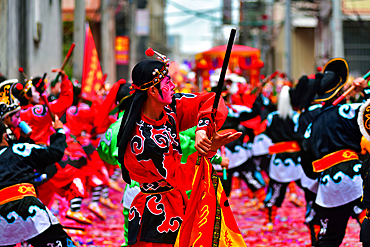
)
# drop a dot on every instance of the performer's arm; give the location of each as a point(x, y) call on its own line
point(307, 158)
point(187, 140)
point(365, 169)
point(107, 149)
point(270, 118)
point(39, 156)
point(195, 110)
point(65, 99)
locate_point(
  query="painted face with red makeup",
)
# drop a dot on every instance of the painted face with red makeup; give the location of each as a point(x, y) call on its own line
point(167, 87)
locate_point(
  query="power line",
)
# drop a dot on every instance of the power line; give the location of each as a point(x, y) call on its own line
point(194, 12)
point(183, 23)
point(186, 12)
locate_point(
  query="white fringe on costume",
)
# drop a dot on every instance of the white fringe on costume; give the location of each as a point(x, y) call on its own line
point(284, 107)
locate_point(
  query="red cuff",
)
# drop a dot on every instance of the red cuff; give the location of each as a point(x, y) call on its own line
point(211, 154)
point(204, 122)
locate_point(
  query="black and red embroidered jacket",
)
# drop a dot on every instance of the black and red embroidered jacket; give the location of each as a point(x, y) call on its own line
point(153, 159)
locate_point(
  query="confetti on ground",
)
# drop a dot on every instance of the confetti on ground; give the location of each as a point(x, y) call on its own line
point(288, 231)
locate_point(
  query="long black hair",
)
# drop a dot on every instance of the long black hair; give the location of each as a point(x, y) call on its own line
point(144, 75)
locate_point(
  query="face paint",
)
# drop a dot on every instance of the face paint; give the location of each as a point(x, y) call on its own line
point(15, 119)
point(167, 87)
point(35, 96)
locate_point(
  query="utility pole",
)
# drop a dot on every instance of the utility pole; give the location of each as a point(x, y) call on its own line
point(133, 37)
point(108, 34)
point(287, 48)
point(266, 49)
point(337, 30)
point(79, 38)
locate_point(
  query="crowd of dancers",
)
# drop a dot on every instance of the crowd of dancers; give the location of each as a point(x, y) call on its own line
point(274, 136)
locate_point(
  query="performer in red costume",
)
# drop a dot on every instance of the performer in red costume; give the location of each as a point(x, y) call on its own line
point(150, 152)
point(79, 121)
point(36, 115)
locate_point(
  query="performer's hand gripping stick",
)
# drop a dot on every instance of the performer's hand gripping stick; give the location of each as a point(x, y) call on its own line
point(64, 62)
point(337, 101)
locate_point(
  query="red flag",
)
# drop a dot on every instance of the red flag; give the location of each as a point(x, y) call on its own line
point(92, 74)
point(208, 219)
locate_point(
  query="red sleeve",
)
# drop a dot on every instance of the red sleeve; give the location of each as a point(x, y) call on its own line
point(195, 110)
point(65, 99)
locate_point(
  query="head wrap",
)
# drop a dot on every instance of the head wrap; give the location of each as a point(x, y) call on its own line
point(304, 92)
point(8, 103)
point(39, 84)
point(145, 74)
point(21, 89)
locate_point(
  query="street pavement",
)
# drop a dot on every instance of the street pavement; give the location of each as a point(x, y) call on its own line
point(288, 231)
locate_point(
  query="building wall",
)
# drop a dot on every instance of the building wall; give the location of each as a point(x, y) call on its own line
point(47, 53)
point(18, 48)
point(279, 50)
point(3, 38)
point(302, 54)
point(357, 46)
point(158, 37)
point(11, 40)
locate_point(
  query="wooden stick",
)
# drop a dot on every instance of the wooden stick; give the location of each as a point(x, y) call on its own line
point(52, 115)
point(104, 78)
point(223, 72)
point(64, 63)
point(23, 73)
point(337, 101)
point(68, 55)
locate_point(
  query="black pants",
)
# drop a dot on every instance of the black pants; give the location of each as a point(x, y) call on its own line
point(247, 171)
point(54, 236)
point(333, 224)
point(365, 233)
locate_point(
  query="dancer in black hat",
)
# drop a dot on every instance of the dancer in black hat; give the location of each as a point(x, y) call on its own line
point(331, 144)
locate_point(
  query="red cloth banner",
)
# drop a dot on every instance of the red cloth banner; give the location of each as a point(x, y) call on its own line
point(208, 220)
point(92, 74)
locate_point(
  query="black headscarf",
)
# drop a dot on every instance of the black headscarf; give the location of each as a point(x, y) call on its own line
point(22, 91)
point(144, 75)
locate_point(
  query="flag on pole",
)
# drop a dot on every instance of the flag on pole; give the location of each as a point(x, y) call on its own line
point(92, 74)
point(208, 221)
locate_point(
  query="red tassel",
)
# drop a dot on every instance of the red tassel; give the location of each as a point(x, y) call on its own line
point(149, 52)
point(19, 86)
